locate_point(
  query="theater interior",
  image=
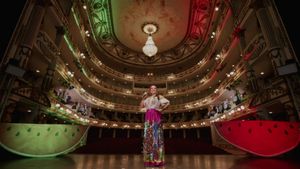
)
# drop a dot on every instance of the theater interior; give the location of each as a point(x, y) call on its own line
point(74, 71)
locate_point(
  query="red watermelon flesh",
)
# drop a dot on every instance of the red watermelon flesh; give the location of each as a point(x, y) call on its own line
point(260, 137)
point(265, 163)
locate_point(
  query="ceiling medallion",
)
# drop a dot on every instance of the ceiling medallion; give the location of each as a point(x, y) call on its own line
point(150, 49)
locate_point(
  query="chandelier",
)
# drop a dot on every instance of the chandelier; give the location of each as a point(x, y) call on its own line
point(150, 49)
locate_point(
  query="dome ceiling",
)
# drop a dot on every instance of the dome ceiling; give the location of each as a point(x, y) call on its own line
point(171, 17)
point(183, 27)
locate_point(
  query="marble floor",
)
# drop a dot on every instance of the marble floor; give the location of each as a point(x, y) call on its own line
point(91, 161)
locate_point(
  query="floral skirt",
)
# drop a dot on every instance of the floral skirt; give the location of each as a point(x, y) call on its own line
point(153, 144)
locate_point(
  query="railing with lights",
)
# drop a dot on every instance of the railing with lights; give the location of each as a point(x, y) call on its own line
point(118, 89)
point(62, 111)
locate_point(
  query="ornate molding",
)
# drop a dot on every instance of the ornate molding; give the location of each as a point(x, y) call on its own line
point(101, 23)
point(275, 91)
point(33, 94)
point(46, 45)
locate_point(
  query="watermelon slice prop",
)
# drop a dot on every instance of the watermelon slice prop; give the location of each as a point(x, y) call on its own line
point(260, 137)
point(41, 140)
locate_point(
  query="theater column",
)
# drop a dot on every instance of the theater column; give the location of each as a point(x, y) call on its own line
point(16, 67)
point(252, 83)
point(48, 77)
point(275, 51)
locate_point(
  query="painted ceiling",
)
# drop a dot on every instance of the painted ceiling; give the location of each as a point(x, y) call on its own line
point(183, 27)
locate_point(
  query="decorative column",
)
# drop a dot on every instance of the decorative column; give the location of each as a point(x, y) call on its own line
point(48, 78)
point(276, 52)
point(252, 79)
point(129, 117)
point(34, 24)
point(198, 133)
point(60, 32)
point(114, 133)
point(269, 33)
point(170, 133)
point(100, 133)
point(16, 66)
point(250, 73)
point(128, 133)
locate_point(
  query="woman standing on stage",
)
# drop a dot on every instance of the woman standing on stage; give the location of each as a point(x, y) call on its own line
point(153, 144)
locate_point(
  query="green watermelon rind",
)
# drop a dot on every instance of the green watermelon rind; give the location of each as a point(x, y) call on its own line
point(30, 151)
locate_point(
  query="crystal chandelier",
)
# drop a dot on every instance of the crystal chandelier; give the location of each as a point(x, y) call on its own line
point(150, 49)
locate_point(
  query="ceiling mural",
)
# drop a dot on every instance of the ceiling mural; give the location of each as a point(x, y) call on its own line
point(129, 17)
point(123, 42)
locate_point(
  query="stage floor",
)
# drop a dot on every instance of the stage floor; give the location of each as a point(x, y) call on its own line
point(91, 161)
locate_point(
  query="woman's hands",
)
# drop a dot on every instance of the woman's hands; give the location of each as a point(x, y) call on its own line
point(144, 96)
point(163, 107)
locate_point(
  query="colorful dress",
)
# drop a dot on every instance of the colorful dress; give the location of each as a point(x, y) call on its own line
point(153, 144)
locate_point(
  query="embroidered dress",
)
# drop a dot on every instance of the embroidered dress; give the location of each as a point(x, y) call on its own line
point(153, 144)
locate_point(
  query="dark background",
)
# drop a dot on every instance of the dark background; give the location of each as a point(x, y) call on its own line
point(11, 11)
point(288, 11)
